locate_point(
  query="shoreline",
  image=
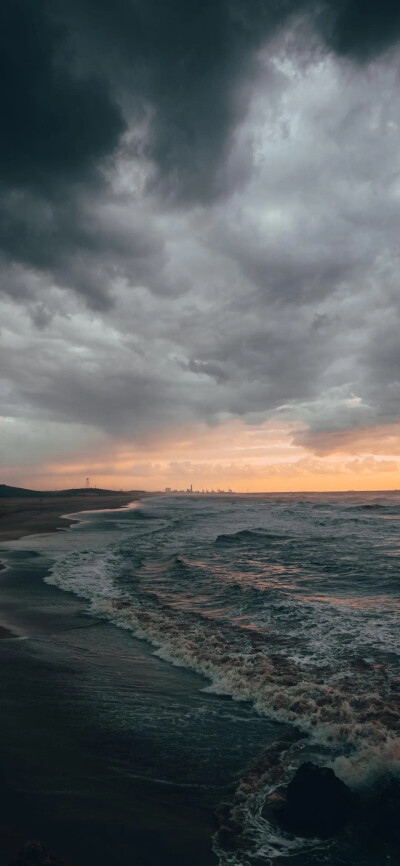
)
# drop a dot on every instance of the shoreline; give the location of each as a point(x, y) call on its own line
point(24, 516)
point(21, 517)
point(54, 744)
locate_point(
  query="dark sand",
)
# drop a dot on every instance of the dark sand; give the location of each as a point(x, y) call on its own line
point(41, 734)
point(21, 516)
point(5, 633)
point(72, 777)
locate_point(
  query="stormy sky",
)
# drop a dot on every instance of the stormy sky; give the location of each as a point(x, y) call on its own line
point(199, 243)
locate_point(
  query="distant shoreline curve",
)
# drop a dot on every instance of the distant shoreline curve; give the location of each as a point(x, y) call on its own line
point(34, 516)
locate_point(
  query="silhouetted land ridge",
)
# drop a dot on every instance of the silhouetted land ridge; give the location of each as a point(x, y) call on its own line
point(7, 491)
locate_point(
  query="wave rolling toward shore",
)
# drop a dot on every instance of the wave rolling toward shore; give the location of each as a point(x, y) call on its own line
point(288, 602)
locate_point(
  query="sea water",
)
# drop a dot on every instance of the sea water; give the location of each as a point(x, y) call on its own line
point(287, 604)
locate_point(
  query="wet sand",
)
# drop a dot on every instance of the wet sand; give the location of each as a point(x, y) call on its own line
point(73, 766)
point(20, 516)
point(67, 778)
point(5, 633)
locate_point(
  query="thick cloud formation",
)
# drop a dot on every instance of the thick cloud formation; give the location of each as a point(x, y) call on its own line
point(362, 28)
point(68, 68)
point(198, 217)
point(56, 124)
point(188, 67)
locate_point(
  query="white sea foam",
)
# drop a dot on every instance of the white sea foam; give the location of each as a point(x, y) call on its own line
point(265, 618)
point(344, 709)
point(355, 707)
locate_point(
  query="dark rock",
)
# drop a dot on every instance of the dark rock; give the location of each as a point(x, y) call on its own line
point(317, 802)
point(35, 854)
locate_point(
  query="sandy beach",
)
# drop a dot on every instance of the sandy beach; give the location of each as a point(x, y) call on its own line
point(60, 732)
point(23, 515)
point(20, 516)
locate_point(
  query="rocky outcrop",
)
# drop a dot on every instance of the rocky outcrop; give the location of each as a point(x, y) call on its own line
point(317, 802)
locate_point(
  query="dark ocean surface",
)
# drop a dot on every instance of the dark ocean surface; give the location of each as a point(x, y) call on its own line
point(170, 651)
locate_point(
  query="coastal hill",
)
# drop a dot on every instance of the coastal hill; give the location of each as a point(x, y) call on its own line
point(6, 491)
point(15, 492)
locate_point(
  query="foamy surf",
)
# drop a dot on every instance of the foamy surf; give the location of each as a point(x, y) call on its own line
point(266, 615)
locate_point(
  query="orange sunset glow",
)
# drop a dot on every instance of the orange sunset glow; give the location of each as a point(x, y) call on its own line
point(259, 458)
point(202, 288)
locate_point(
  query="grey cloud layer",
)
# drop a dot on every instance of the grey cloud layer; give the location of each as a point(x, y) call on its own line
point(199, 214)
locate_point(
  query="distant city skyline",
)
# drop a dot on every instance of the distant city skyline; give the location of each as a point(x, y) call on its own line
point(199, 492)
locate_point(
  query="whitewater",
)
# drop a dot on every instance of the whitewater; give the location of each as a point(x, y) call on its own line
point(290, 602)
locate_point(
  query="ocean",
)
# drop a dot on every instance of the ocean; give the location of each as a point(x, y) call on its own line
point(193, 651)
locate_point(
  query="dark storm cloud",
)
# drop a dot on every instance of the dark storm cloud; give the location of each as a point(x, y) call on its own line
point(55, 125)
point(74, 75)
point(362, 28)
point(63, 64)
point(186, 61)
point(192, 64)
point(229, 221)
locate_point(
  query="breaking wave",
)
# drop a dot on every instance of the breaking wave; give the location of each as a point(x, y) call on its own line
point(293, 616)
